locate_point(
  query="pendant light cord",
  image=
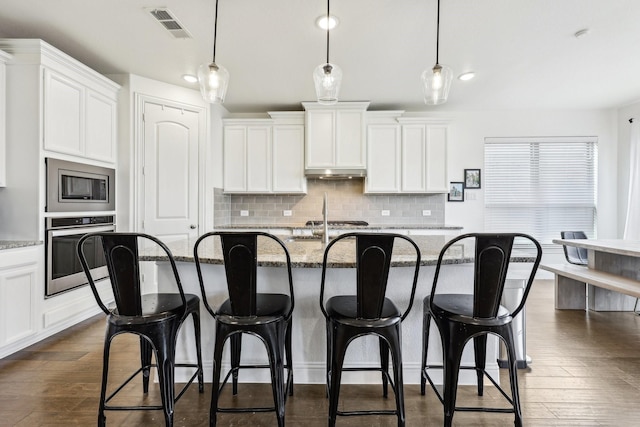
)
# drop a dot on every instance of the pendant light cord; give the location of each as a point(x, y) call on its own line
point(437, 33)
point(215, 32)
point(328, 15)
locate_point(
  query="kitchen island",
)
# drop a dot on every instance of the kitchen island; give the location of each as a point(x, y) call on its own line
point(309, 326)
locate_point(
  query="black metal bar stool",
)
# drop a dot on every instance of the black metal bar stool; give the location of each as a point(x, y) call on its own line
point(461, 317)
point(155, 317)
point(246, 311)
point(368, 312)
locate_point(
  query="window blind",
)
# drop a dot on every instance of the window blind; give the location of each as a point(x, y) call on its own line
point(540, 186)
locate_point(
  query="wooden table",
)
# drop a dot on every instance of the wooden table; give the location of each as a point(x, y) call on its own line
point(611, 280)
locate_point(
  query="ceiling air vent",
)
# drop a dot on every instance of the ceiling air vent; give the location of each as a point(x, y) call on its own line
point(170, 23)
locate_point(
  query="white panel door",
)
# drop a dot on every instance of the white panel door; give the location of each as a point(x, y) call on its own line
point(63, 114)
point(350, 146)
point(321, 138)
point(170, 172)
point(414, 143)
point(259, 159)
point(100, 142)
point(235, 155)
point(383, 164)
point(288, 159)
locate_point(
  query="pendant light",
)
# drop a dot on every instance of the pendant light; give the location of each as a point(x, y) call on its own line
point(213, 78)
point(327, 77)
point(436, 82)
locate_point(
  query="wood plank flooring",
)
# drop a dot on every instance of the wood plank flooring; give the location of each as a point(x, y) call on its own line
point(585, 372)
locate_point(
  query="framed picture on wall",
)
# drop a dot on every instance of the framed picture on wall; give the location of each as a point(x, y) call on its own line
point(472, 178)
point(456, 192)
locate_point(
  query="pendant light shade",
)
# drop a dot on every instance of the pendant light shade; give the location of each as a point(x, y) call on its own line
point(213, 78)
point(327, 77)
point(436, 81)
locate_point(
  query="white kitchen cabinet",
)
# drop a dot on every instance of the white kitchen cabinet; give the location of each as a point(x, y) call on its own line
point(77, 119)
point(4, 57)
point(335, 136)
point(414, 162)
point(383, 164)
point(264, 156)
point(56, 107)
point(20, 274)
point(101, 127)
point(247, 158)
point(288, 159)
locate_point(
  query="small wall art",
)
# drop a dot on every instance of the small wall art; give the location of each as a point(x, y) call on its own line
point(456, 192)
point(472, 178)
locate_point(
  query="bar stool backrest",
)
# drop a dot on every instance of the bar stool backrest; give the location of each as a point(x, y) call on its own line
point(122, 255)
point(240, 254)
point(373, 259)
point(240, 264)
point(492, 254)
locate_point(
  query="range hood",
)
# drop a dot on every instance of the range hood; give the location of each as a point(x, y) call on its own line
point(335, 173)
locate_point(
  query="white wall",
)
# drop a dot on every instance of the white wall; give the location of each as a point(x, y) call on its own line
point(466, 150)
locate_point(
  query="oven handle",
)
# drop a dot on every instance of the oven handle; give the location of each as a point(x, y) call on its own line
point(80, 230)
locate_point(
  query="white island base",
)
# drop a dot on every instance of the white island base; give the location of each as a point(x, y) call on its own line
point(308, 339)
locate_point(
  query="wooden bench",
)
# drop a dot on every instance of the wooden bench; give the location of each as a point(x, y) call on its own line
point(570, 280)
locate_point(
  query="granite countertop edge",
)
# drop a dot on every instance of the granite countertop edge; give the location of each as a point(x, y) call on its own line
point(309, 254)
point(14, 244)
point(344, 227)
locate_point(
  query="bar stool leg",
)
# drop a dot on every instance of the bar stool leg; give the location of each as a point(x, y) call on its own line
point(384, 365)
point(236, 348)
point(480, 352)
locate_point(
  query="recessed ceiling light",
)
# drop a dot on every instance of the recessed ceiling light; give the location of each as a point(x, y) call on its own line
point(466, 76)
point(322, 22)
point(189, 78)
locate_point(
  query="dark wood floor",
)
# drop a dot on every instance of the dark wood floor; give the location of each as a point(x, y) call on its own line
point(585, 372)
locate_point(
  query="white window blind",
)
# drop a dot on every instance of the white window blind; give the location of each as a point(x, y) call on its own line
point(540, 186)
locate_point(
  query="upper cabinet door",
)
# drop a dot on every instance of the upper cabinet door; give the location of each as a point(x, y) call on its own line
point(288, 159)
point(414, 152)
point(79, 120)
point(101, 130)
point(235, 154)
point(321, 137)
point(335, 135)
point(63, 114)
point(383, 165)
point(258, 159)
point(437, 160)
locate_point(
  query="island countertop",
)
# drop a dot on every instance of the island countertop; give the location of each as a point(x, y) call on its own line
point(303, 226)
point(13, 244)
point(309, 252)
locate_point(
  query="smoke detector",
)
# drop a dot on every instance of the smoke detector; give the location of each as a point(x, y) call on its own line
point(170, 23)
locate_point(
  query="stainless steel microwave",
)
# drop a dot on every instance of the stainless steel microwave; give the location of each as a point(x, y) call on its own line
point(79, 187)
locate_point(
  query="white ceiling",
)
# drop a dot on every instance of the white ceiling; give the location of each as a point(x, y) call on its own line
point(524, 52)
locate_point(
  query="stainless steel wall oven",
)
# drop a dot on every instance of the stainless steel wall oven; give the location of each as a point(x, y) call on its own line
point(63, 269)
point(79, 187)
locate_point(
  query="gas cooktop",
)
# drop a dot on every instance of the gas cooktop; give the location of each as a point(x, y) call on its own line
point(317, 223)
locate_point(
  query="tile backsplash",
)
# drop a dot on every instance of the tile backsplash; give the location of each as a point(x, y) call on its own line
point(346, 202)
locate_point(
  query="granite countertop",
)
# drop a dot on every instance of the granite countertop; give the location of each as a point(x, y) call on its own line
point(308, 252)
point(303, 226)
point(13, 244)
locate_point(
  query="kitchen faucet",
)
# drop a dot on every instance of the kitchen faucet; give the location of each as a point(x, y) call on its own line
point(325, 222)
